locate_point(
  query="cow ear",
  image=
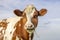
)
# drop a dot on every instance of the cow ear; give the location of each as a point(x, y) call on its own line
point(42, 12)
point(18, 12)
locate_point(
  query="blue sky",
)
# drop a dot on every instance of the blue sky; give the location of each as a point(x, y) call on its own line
point(48, 26)
point(7, 6)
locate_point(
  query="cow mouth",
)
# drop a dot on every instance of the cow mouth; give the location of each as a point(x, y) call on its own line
point(30, 30)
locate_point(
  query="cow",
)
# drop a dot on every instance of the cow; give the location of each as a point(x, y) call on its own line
point(22, 26)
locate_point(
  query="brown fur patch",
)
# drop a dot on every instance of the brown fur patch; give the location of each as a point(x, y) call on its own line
point(3, 23)
point(20, 31)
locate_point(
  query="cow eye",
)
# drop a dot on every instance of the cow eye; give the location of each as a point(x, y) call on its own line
point(35, 16)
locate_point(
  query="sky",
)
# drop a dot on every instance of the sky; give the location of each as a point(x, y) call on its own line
point(48, 25)
point(7, 7)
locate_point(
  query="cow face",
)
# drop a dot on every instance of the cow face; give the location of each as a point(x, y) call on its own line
point(30, 17)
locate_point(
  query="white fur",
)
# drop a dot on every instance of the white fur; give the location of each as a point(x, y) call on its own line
point(1, 28)
point(17, 38)
point(10, 28)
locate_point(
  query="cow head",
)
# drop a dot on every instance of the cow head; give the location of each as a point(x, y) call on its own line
point(30, 17)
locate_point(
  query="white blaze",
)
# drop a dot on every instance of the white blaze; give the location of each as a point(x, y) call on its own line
point(29, 14)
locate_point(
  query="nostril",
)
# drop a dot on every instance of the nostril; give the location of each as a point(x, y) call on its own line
point(30, 25)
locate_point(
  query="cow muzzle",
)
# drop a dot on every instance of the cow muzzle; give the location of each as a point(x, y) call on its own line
point(30, 28)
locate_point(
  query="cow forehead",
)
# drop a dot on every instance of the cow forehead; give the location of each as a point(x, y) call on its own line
point(29, 9)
